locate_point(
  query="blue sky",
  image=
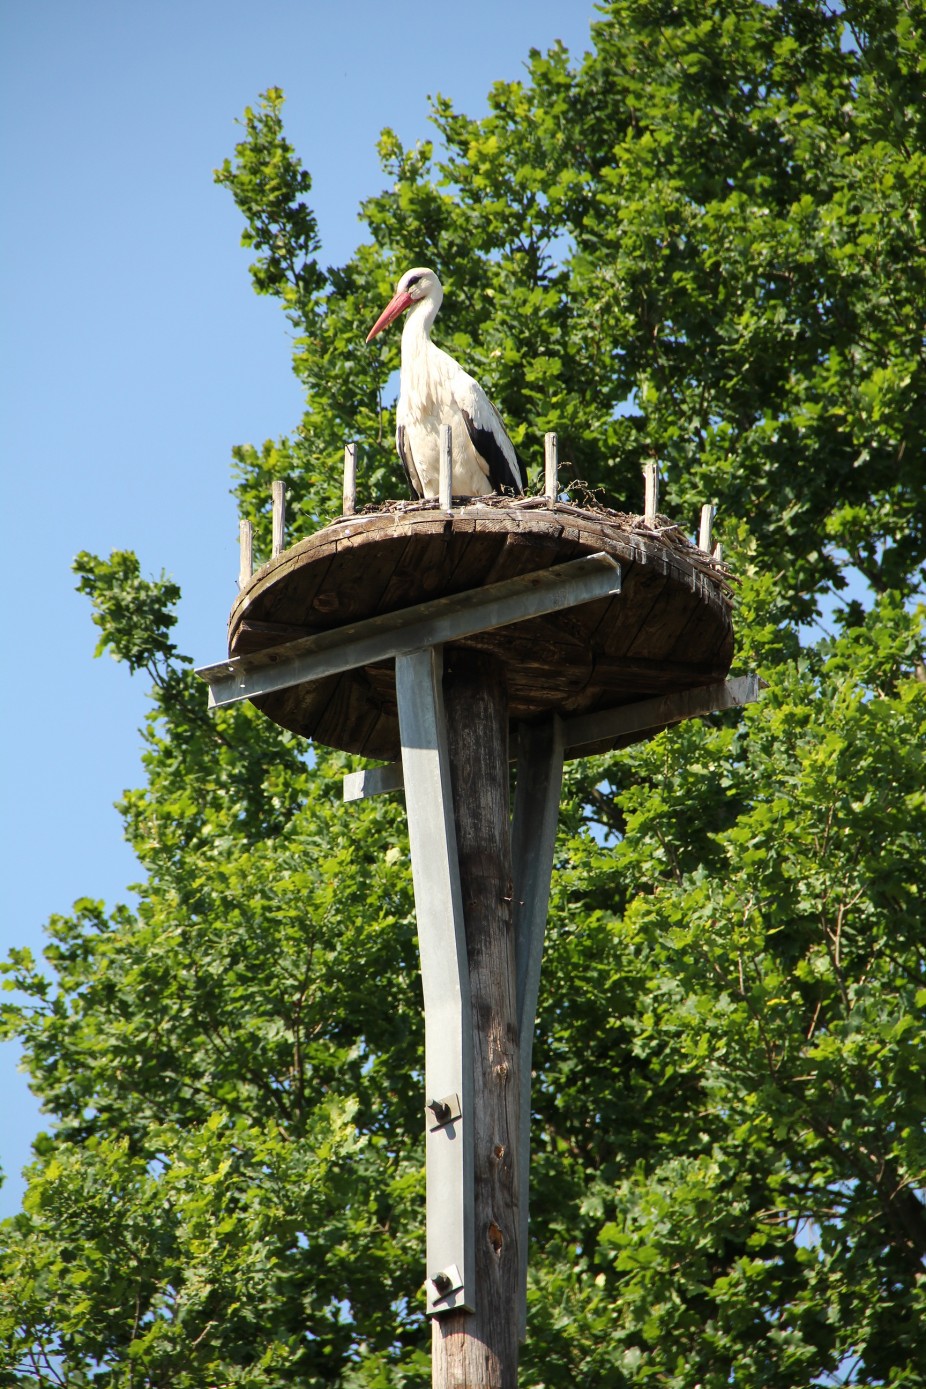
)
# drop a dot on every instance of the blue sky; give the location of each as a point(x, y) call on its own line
point(135, 355)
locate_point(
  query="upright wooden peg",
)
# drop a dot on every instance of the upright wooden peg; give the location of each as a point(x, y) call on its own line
point(278, 493)
point(651, 495)
point(350, 479)
point(707, 521)
point(445, 480)
point(551, 467)
point(246, 550)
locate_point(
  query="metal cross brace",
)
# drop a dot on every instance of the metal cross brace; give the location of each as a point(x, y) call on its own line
point(399, 633)
point(586, 732)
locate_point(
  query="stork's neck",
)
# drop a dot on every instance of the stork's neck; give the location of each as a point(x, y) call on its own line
point(416, 331)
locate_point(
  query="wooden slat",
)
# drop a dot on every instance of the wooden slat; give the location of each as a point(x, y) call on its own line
point(445, 475)
point(651, 490)
point(418, 574)
point(707, 522)
point(550, 466)
point(349, 712)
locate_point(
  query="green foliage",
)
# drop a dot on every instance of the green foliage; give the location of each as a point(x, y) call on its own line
point(702, 244)
point(732, 1165)
point(743, 244)
point(270, 187)
point(232, 1189)
point(133, 614)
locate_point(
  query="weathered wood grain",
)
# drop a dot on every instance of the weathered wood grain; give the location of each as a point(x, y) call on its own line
point(651, 481)
point(349, 490)
point(278, 522)
point(481, 1348)
point(550, 466)
point(246, 553)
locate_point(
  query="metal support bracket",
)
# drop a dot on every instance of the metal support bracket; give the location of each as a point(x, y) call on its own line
point(533, 839)
point(444, 1111)
point(448, 1061)
point(541, 749)
point(443, 1284)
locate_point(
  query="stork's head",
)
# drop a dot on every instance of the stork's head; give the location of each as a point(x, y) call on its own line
point(415, 285)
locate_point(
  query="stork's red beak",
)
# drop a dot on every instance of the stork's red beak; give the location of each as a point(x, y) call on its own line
point(398, 304)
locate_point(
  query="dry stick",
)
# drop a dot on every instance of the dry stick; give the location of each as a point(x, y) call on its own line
point(246, 549)
point(278, 543)
point(445, 482)
point(551, 467)
point(707, 521)
point(651, 501)
point(350, 479)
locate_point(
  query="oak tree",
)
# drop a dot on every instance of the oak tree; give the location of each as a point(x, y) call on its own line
point(701, 244)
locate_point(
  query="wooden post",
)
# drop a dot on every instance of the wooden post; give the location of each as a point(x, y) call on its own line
point(350, 479)
point(278, 542)
point(651, 495)
point(707, 521)
point(246, 552)
point(551, 467)
point(445, 476)
point(479, 1350)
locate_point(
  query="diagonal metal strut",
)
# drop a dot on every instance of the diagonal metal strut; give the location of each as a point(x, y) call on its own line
point(591, 732)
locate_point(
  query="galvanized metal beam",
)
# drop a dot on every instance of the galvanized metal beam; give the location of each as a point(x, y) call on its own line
point(448, 1061)
point(410, 629)
point(607, 725)
point(374, 781)
point(586, 730)
point(533, 838)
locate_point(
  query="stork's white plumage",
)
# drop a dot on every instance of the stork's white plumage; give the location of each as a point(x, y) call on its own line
point(435, 390)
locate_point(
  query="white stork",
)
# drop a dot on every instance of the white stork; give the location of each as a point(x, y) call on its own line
point(435, 390)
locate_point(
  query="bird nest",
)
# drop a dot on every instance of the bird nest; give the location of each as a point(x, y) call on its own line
point(668, 629)
point(670, 533)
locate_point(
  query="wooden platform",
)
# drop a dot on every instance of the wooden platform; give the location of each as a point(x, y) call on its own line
point(669, 629)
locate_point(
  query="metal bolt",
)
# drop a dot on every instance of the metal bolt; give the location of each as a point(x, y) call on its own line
point(440, 1110)
point(442, 1282)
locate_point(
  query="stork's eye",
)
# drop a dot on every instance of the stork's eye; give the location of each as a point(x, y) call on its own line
point(413, 281)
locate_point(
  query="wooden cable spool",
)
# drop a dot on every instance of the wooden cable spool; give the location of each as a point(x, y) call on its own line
point(669, 629)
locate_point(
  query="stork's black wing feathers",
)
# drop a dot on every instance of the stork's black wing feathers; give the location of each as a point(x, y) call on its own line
point(405, 457)
point(503, 474)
